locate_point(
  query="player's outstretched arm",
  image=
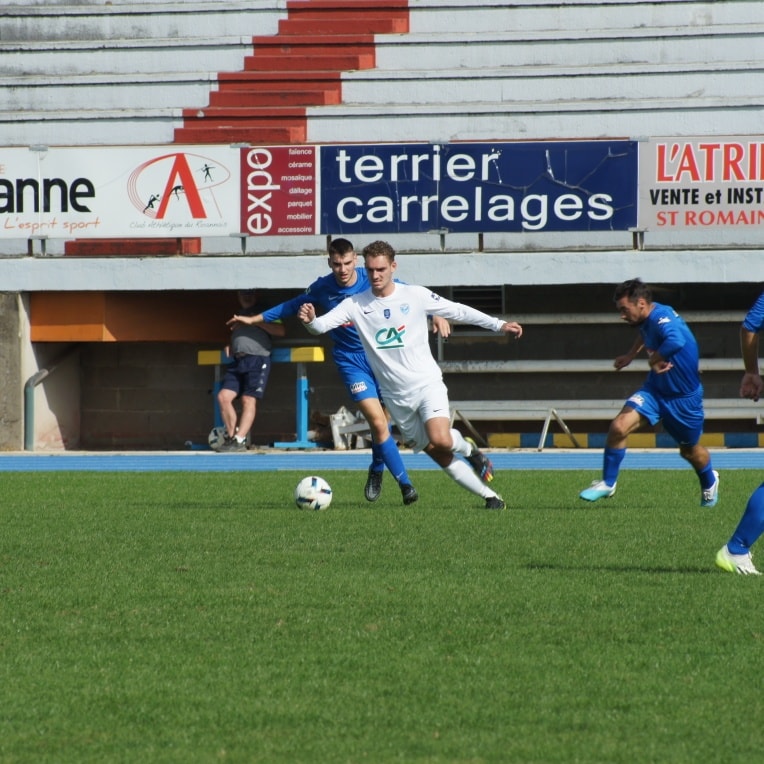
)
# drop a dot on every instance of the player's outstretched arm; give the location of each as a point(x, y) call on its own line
point(249, 320)
point(274, 328)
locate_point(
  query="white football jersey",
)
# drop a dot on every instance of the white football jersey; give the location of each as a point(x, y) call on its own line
point(394, 332)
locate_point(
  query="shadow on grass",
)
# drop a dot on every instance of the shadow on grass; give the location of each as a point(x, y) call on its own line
point(620, 568)
point(210, 505)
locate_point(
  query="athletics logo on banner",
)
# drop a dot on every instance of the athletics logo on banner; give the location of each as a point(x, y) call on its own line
point(120, 191)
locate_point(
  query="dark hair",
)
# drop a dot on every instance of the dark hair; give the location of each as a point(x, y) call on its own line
point(379, 249)
point(633, 290)
point(340, 247)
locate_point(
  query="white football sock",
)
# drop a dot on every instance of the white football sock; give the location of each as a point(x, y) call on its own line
point(461, 473)
point(460, 444)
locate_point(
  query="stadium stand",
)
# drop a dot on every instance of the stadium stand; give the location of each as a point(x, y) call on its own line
point(315, 71)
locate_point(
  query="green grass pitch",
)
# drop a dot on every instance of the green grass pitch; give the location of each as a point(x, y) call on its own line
point(195, 617)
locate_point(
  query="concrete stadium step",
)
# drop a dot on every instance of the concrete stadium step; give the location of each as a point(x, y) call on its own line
point(584, 47)
point(402, 123)
point(243, 125)
point(327, 61)
point(570, 119)
point(361, 24)
point(56, 59)
point(108, 91)
point(117, 21)
point(105, 127)
point(323, 52)
point(522, 84)
point(240, 134)
point(229, 115)
point(321, 9)
point(309, 44)
point(433, 16)
point(282, 79)
point(263, 97)
point(255, 89)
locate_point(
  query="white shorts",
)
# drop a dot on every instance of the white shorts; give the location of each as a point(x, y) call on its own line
point(411, 410)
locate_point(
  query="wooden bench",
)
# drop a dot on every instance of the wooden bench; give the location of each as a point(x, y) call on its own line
point(582, 410)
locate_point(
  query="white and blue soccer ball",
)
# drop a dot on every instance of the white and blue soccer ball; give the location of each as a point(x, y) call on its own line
point(216, 438)
point(313, 492)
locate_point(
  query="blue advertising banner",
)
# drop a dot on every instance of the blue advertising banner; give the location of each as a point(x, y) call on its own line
point(479, 187)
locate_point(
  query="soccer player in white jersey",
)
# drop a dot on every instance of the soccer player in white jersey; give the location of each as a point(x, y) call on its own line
point(391, 320)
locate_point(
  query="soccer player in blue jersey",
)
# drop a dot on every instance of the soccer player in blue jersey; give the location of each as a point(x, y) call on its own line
point(735, 555)
point(328, 291)
point(672, 392)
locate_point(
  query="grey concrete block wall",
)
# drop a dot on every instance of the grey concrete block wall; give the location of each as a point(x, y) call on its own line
point(154, 396)
point(11, 410)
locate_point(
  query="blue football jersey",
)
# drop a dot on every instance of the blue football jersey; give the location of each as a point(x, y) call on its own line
point(754, 319)
point(665, 331)
point(326, 293)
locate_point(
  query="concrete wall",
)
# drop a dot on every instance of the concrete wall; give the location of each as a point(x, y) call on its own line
point(155, 396)
point(11, 432)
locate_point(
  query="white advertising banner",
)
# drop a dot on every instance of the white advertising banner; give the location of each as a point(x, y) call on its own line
point(697, 183)
point(119, 191)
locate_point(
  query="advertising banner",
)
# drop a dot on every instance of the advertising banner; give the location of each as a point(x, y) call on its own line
point(479, 187)
point(696, 183)
point(195, 191)
point(279, 190)
point(125, 191)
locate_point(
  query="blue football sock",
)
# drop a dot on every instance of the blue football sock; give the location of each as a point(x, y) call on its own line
point(751, 524)
point(611, 463)
point(377, 460)
point(706, 476)
point(393, 460)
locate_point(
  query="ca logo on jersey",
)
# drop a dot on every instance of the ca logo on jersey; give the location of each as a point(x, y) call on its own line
point(391, 338)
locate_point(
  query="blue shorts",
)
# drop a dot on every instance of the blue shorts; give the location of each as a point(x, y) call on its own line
point(357, 375)
point(682, 417)
point(248, 375)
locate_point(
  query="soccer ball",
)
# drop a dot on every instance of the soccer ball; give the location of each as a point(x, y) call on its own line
point(216, 438)
point(313, 492)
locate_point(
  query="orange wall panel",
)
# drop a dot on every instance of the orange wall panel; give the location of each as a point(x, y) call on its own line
point(131, 316)
point(67, 316)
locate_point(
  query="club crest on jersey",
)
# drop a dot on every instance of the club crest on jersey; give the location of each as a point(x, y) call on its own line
point(390, 338)
point(405, 308)
point(386, 313)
